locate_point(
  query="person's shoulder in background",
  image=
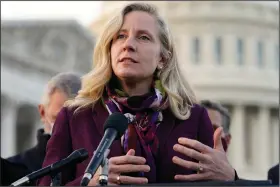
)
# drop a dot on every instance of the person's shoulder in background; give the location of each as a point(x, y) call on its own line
point(273, 174)
point(33, 157)
point(10, 172)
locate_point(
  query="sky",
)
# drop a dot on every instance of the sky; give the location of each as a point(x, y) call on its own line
point(82, 11)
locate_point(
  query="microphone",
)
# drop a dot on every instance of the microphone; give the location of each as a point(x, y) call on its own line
point(114, 128)
point(75, 157)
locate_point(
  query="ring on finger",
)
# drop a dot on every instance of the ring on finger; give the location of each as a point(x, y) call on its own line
point(200, 169)
point(119, 179)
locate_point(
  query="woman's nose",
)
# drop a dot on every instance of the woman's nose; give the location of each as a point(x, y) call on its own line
point(129, 44)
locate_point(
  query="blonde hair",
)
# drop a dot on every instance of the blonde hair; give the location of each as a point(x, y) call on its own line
point(180, 95)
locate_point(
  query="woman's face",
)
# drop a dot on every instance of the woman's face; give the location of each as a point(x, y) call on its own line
point(135, 50)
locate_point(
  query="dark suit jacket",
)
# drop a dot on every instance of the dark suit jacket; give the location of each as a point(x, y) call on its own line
point(33, 158)
point(273, 174)
point(26, 162)
point(85, 130)
point(10, 172)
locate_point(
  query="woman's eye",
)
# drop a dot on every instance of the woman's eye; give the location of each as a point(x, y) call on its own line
point(120, 36)
point(144, 37)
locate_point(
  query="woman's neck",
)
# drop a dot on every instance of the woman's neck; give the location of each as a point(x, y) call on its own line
point(137, 88)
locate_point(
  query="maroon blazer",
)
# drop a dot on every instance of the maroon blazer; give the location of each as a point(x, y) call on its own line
point(85, 130)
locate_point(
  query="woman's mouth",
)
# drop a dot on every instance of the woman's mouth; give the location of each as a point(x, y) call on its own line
point(128, 60)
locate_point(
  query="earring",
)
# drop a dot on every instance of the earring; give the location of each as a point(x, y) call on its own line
point(158, 71)
point(159, 67)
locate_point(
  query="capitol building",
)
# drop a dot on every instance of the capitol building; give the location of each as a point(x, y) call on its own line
point(229, 52)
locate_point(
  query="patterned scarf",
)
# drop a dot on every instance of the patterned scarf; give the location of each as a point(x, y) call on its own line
point(144, 115)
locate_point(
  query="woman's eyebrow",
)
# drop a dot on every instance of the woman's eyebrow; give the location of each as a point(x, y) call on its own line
point(138, 31)
point(122, 30)
point(143, 31)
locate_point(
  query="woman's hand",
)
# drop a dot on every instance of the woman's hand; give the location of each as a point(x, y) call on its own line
point(213, 163)
point(120, 165)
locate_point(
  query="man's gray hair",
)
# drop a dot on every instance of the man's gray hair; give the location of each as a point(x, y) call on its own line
point(69, 83)
point(221, 109)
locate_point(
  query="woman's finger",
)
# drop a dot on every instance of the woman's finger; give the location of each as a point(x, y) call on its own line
point(185, 163)
point(195, 145)
point(190, 152)
point(133, 180)
point(111, 184)
point(131, 152)
point(193, 177)
point(218, 139)
point(126, 168)
point(127, 159)
point(127, 179)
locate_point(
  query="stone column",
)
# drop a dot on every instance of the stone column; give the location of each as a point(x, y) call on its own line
point(8, 128)
point(236, 150)
point(264, 143)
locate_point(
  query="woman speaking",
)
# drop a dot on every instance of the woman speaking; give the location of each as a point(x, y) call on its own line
point(136, 73)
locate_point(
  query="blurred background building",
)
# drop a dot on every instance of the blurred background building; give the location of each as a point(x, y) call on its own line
point(31, 53)
point(229, 51)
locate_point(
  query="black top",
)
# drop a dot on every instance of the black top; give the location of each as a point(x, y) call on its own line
point(11, 172)
point(273, 174)
point(27, 161)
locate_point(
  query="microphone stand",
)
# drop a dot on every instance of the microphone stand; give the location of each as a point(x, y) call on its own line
point(103, 177)
point(75, 157)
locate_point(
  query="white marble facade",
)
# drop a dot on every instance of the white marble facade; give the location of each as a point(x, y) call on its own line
point(246, 79)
